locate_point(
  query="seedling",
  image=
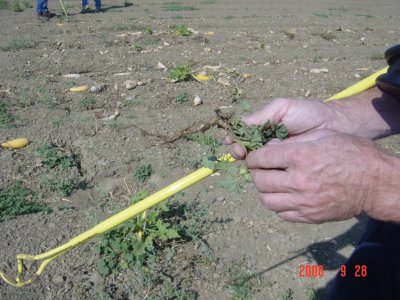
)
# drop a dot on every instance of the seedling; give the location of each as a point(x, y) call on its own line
point(182, 30)
point(6, 118)
point(63, 185)
point(52, 157)
point(88, 102)
point(182, 97)
point(181, 73)
point(143, 172)
point(17, 200)
point(149, 30)
point(3, 4)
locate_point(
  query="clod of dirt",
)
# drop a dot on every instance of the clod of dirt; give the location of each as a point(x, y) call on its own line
point(97, 88)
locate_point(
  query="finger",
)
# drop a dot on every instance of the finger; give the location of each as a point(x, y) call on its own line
point(273, 111)
point(237, 151)
point(271, 181)
point(274, 156)
point(294, 216)
point(228, 140)
point(278, 202)
point(310, 136)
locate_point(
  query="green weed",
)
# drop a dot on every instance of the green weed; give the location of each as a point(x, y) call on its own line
point(138, 242)
point(206, 140)
point(132, 102)
point(143, 172)
point(3, 4)
point(149, 30)
point(87, 102)
point(17, 44)
point(242, 284)
point(137, 47)
point(181, 73)
point(17, 200)
point(16, 7)
point(64, 185)
point(326, 35)
point(182, 30)
point(6, 118)
point(182, 97)
point(56, 123)
point(70, 84)
point(289, 33)
point(176, 6)
point(236, 94)
point(52, 157)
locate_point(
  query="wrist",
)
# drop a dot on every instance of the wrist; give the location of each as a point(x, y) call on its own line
point(382, 201)
point(372, 114)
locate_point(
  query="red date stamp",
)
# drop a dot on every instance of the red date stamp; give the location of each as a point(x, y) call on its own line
point(311, 271)
point(358, 271)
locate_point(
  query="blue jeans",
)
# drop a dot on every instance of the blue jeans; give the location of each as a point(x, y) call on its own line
point(379, 255)
point(41, 7)
point(96, 2)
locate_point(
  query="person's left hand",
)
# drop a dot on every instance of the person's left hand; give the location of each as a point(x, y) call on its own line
point(321, 176)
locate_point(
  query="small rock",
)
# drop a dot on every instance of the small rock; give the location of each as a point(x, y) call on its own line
point(223, 81)
point(97, 88)
point(220, 198)
point(130, 84)
point(357, 75)
point(116, 86)
point(307, 94)
point(317, 71)
point(58, 279)
point(197, 100)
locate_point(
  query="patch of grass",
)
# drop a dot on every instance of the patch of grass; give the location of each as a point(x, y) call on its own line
point(137, 47)
point(143, 172)
point(16, 7)
point(176, 6)
point(70, 84)
point(17, 200)
point(148, 30)
point(242, 284)
point(181, 73)
point(56, 123)
point(326, 35)
point(182, 97)
point(17, 44)
point(132, 102)
point(3, 4)
point(6, 118)
point(178, 17)
point(52, 156)
point(87, 102)
point(64, 185)
point(377, 56)
point(182, 30)
point(237, 94)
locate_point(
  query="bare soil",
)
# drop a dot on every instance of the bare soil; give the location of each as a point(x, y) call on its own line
point(277, 42)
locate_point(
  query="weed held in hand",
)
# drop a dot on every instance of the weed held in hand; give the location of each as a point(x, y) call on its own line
point(255, 136)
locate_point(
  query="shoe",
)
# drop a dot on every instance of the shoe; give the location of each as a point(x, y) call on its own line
point(86, 9)
point(98, 10)
point(47, 15)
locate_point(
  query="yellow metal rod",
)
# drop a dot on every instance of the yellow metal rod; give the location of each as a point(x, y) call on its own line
point(147, 203)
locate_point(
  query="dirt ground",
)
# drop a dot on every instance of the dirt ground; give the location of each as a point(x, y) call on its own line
point(265, 49)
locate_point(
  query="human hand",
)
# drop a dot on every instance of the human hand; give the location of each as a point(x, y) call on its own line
point(325, 176)
point(299, 116)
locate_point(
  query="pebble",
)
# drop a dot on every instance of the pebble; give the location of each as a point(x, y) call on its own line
point(58, 279)
point(220, 198)
point(317, 71)
point(130, 84)
point(197, 100)
point(97, 88)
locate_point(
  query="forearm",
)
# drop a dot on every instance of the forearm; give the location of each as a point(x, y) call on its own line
point(383, 194)
point(371, 114)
